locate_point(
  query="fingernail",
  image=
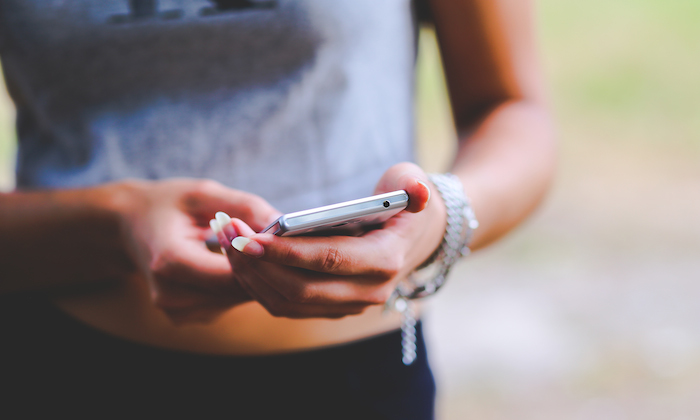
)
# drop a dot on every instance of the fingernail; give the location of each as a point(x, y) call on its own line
point(248, 246)
point(219, 235)
point(426, 187)
point(224, 221)
point(223, 218)
point(215, 227)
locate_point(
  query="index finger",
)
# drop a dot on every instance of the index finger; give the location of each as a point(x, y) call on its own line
point(374, 255)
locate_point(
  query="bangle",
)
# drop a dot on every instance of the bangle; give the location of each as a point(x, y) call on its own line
point(461, 223)
point(430, 276)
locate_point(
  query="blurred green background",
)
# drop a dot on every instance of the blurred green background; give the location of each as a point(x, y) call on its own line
point(590, 310)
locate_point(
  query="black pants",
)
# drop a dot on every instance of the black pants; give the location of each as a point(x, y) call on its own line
point(50, 363)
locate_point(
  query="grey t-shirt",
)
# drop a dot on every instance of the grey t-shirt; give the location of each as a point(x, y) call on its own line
point(304, 102)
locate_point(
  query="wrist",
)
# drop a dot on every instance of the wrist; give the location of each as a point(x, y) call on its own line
point(460, 223)
point(437, 217)
point(56, 238)
point(100, 215)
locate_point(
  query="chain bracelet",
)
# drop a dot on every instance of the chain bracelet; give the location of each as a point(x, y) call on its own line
point(408, 330)
point(461, 223)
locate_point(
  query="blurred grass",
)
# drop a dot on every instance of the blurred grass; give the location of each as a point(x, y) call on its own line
point(630, 66)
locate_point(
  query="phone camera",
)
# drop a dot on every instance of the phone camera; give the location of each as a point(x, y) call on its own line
point(387, 204)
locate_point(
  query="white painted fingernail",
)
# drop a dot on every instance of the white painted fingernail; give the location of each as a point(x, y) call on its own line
point(223, 219)
point(240, 242)
point(427, 187)
point(214, 226)
point(248, 247)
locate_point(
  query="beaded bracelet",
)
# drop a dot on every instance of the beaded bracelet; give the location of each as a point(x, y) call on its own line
point(431, 276)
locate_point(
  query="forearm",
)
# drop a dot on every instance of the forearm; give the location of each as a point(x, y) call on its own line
point(52, 239)
point(506, 164)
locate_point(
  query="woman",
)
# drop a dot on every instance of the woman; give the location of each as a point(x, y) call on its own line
point(264, 107)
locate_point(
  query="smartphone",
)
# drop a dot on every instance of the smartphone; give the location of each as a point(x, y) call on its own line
point(347, 218)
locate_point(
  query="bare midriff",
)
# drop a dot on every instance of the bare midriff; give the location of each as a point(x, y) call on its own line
point(126, 311)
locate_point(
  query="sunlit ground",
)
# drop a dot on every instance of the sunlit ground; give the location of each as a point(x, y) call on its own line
point(589, 311)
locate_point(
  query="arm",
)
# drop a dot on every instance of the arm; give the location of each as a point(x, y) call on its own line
point(506, 152)
point(54, 239)
point(91, 236)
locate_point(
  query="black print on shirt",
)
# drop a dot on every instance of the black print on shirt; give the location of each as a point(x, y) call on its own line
point(142, 10)
point(224, 6)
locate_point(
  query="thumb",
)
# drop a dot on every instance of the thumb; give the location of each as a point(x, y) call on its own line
point(255, 211)
point(410, 178)
point(252, 209)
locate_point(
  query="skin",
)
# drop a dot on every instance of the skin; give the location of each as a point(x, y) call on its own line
point(129, 257)
point(310, 277)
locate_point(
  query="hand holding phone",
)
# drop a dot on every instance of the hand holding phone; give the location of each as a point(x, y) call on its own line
point(331, 276)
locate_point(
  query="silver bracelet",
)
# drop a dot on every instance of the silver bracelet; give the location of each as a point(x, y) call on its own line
point(425, 281)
